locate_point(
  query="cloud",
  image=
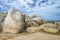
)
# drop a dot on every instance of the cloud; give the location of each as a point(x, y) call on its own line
point(46, 8)
point(27, 5)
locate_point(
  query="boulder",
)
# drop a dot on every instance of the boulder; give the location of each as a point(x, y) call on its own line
point(50, 27)
point(13, 22)
point(34, 20)
point(33, 29)
point(37, 19)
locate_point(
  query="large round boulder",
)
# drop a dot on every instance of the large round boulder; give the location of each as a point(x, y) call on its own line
point(13, 22)
point(37, 19)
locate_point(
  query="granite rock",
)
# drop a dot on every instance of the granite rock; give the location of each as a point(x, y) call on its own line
point(50, 27)
point(13, 22)
point(33, 29)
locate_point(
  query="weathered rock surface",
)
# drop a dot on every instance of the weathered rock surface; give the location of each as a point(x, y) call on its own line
point(2, 16)
point(34, 20)
point(1, 28)
point(50, 27)
point(28, 20)
point(13, 22)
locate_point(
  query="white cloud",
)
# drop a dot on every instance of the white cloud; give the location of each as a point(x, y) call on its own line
point(21, 2)
point(29, 1)
point(44, 9)
point(1, 6)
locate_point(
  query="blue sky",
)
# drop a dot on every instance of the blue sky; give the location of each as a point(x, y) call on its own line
point(48, 9)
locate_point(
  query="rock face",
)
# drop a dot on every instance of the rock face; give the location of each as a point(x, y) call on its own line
point(34, 20)
point(13, 22)
point(2, 16)
point(28, 20)
point(50, 27)
point(1, 28)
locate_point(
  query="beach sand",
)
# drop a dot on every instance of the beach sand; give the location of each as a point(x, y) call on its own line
point(32, 36)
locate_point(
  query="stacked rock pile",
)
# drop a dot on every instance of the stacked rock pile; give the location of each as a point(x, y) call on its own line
point(16, 22)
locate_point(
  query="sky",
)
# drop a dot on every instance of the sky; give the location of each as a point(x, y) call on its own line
point(48, 9)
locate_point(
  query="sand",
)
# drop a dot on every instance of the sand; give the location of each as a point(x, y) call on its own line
point(33, 36)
